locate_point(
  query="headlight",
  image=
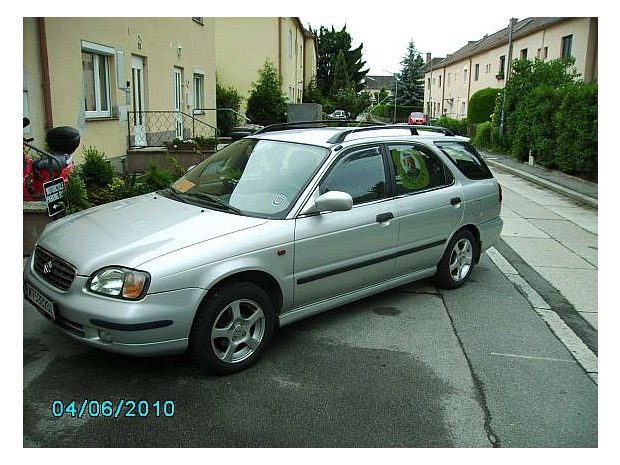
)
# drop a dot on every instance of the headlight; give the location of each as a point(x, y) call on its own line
point(120, 282)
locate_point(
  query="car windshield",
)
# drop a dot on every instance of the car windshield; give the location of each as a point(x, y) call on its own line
point(417, 115)
point(251, 177)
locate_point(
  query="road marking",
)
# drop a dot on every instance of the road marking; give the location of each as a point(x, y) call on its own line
point(531, 357)
point(584, 356)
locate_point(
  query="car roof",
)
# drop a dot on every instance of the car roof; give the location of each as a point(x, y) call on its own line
point(327, 134)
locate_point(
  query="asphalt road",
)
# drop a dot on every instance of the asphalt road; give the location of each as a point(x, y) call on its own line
point(414, 367)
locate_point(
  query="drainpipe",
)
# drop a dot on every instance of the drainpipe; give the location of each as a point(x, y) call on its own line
point(469, 85)
point(280, 21)
point(45, 74)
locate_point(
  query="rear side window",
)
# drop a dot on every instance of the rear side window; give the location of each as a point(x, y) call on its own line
point(466, 158)
point(417, 169)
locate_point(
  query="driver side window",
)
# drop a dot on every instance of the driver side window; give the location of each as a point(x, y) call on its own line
point(360, 173)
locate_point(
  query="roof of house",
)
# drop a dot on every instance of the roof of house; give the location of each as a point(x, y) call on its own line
point(521, 28)
point(379, 82)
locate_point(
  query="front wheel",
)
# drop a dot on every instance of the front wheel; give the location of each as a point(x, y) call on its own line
point(457, 262)
point(232, 328)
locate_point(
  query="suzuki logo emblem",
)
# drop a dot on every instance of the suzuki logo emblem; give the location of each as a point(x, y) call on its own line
point(47, 267)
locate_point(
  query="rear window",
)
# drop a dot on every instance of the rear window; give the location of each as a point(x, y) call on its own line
point(466, 158)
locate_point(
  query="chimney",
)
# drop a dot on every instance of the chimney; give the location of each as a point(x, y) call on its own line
point(428, 57)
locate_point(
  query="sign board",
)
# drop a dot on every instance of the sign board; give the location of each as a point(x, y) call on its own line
point(55, 196)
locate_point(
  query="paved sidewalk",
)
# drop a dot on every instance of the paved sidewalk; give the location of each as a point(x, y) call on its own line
point(551, 223)
point(578, 189)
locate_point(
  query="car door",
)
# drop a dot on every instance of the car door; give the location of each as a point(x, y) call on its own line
point(337, 253)
point(429, 205)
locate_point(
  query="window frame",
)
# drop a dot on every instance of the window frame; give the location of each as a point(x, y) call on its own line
point(566, 47)
point(199, 92)
point(102, 55)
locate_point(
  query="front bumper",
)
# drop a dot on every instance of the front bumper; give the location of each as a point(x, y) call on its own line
point(158, 324)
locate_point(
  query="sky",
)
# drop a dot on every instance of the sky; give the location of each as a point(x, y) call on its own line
point(442, 27)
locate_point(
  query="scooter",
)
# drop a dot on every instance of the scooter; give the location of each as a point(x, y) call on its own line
point(45, 166)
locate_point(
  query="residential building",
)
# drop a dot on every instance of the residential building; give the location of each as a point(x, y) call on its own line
point(245, 44)
point(450, 82)
point(122, 82)
point(375, 84)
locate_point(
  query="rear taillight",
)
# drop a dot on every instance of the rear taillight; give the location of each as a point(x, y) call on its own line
point(500, 192)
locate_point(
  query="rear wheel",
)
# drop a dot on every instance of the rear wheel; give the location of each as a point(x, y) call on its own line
point(458, 261)
point(232, 328)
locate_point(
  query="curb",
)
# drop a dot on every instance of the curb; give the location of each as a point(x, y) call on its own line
point(543, 182)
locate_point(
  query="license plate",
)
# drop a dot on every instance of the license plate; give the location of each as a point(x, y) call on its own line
point(39, 300)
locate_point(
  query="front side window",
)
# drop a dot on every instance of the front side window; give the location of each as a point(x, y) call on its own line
point(96, 80)
point(417, 169)
point(251, 177)
point(360, 173)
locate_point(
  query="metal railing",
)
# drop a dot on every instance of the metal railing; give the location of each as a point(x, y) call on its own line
point(156, 128)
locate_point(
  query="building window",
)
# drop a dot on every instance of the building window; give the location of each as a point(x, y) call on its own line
point(567, 46)
point(290, 43)
point(524, 54)
point(439, 80)
point(476, 71)
point(448, 80)
point(199, 91)
point(96, 79)
point(464, 75)
point(545, 53)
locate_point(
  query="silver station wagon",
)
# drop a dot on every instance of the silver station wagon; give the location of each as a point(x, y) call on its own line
point(286, 223)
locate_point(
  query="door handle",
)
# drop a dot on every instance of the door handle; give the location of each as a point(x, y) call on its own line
point(383, 217)
point(455, 200)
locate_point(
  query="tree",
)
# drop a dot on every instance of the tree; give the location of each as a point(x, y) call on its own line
point(341, 81)
point(226, 97)
point(526, 75)
point(267, 103)
point(330, 44)
point(411, 80)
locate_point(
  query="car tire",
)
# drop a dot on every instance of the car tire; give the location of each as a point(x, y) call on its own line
point(232, 328)
point(458, 260)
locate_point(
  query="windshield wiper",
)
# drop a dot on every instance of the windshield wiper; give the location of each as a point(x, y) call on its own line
point(213, 200)
point(174, 193)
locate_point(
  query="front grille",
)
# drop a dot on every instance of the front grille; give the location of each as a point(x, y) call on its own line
point(53, 269)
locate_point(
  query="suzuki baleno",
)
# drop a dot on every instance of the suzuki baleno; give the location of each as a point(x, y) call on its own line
point(273, 228)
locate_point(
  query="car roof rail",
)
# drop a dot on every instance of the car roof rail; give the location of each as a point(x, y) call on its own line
point(315, 124)
point(340, 137)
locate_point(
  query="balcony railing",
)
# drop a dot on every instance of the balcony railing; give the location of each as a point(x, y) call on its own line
point(155, 128)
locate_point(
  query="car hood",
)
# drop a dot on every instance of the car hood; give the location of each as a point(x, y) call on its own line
point(133, 231)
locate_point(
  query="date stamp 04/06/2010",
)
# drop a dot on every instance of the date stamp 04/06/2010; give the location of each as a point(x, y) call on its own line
point(112, 408)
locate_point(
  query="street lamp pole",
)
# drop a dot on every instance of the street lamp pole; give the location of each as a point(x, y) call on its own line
point(395, 95)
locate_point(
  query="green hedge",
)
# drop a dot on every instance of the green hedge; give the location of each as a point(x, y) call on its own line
point(387, 111)
point(481, 105)
point(457, 126)
point(559, 126)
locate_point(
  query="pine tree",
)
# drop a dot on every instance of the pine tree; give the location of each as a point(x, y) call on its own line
point(267, 103)
point(411, 79)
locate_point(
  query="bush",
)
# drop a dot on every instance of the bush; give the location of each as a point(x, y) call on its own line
point(156, 179)
point(481, 105)
point(532, 126)
point(576, 125)
point(77, 195)
point(457, 126)
point(96, 169)
point(227, 97)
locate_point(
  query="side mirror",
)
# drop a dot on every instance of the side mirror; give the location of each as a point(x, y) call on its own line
point(334, 201)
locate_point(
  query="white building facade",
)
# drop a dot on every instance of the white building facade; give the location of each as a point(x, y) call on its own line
point(450, 82)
